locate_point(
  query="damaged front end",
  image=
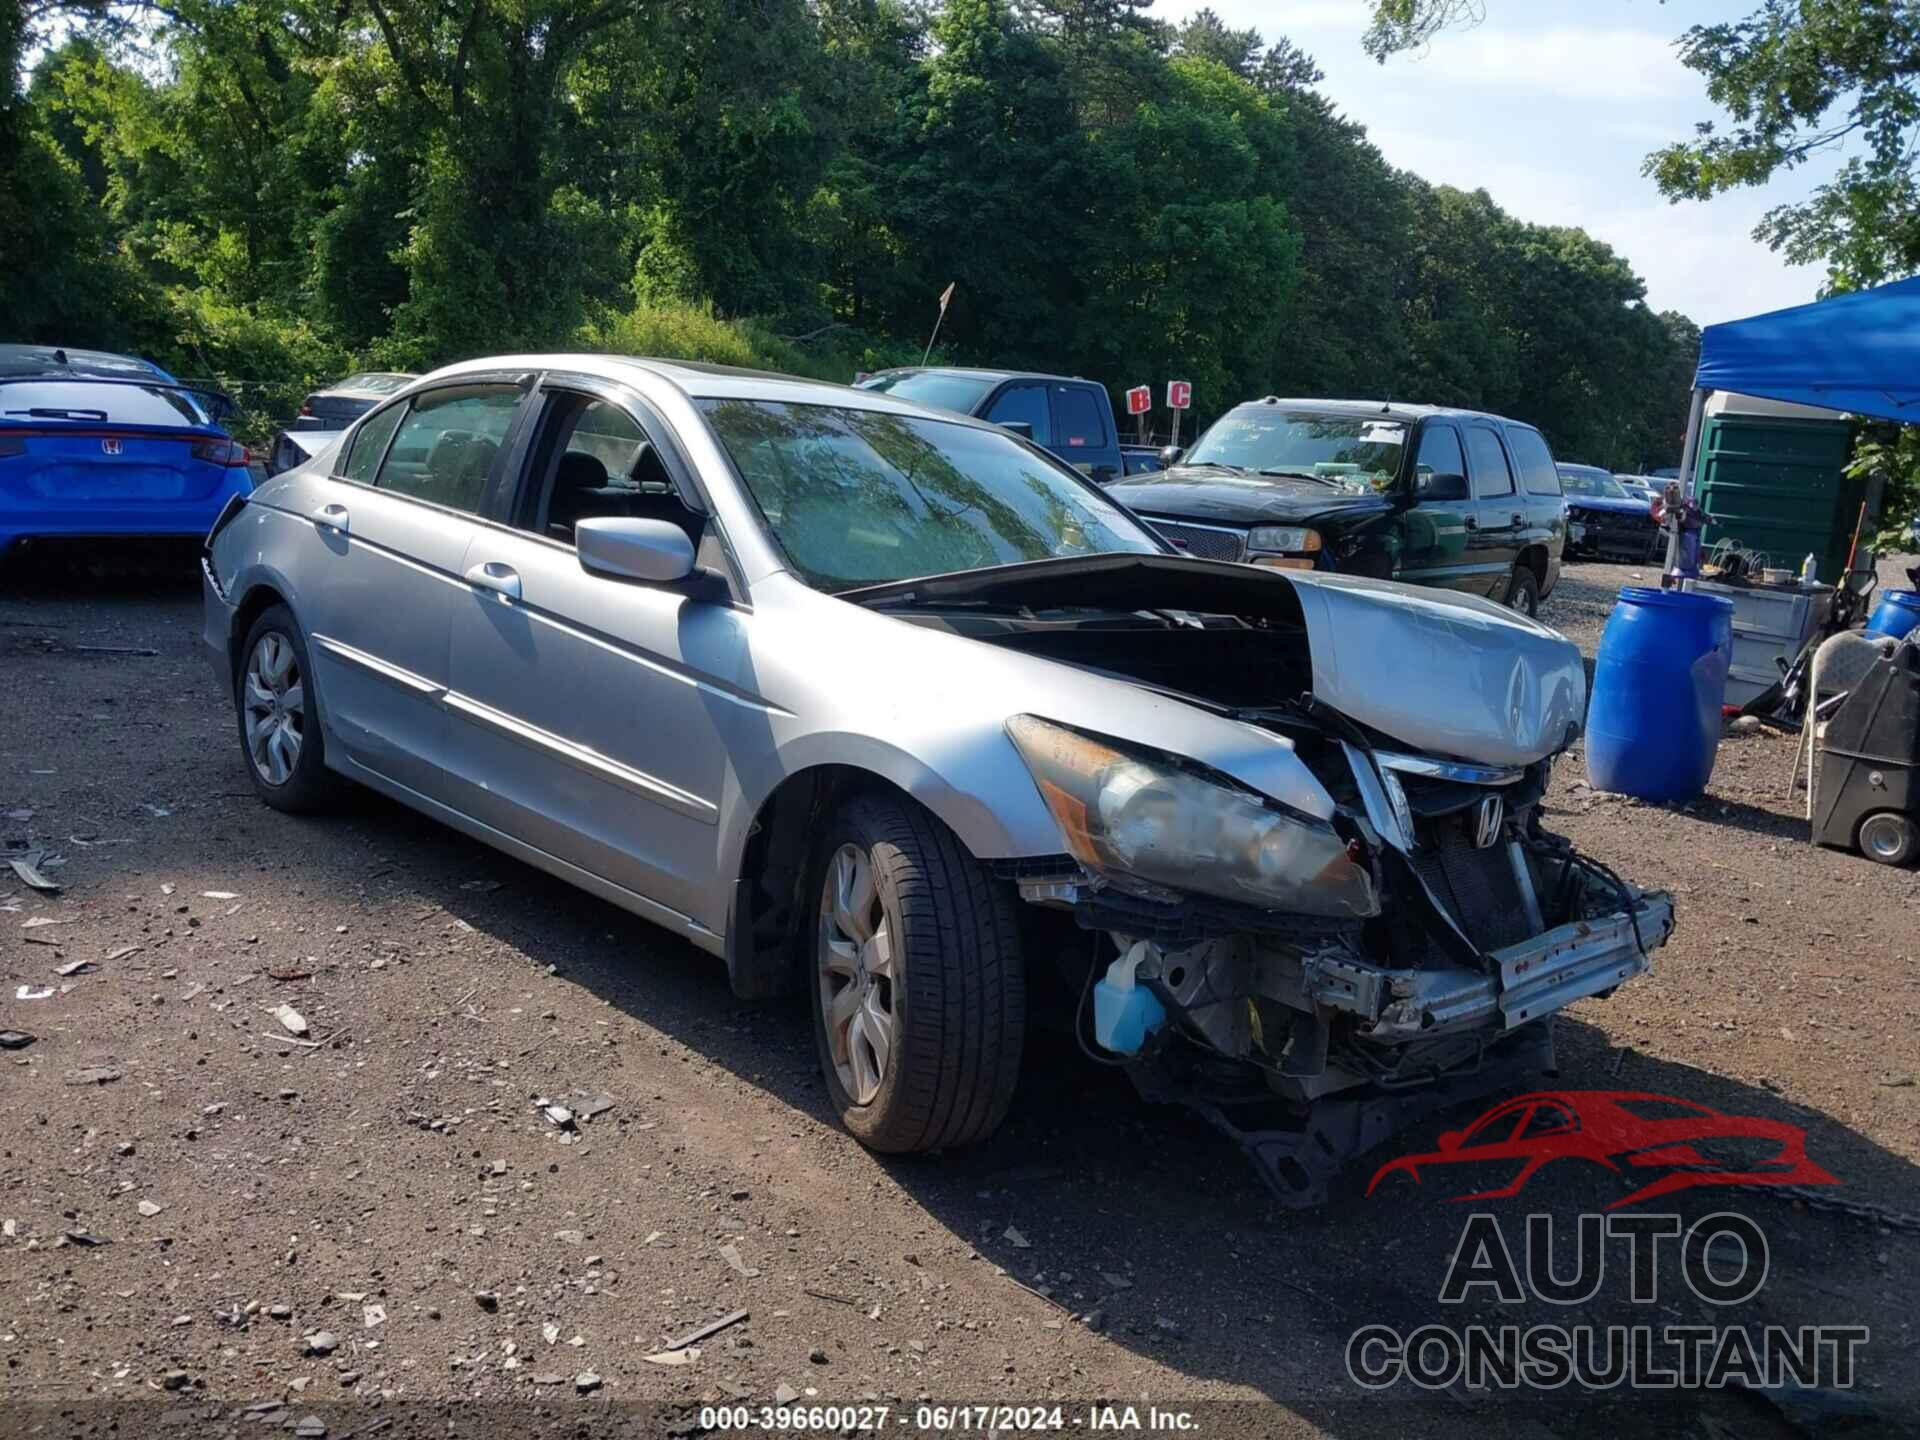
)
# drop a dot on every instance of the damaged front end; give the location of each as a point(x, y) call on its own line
point(1326, 969)
point(1416, 971)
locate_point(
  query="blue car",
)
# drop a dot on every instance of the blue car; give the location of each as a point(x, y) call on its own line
point(1604, 521)
point(94, 444)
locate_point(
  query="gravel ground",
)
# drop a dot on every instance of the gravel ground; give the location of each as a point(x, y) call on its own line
point(191, 1196)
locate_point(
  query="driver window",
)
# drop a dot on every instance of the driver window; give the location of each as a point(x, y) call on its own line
point(1027, 403)
point(1440, 470)
point(600, 462)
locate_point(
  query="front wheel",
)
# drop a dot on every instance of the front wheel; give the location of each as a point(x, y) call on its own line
point(280, 717)
point(1523, 591)
point(919, 994)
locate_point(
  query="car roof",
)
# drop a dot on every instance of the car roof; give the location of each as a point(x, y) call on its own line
point(1378, 409)
point(699, 381)
point(55, 360)
point(1574, 467)
point(978, 374)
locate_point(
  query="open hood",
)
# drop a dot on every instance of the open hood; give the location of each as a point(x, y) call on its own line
point(1439, 672)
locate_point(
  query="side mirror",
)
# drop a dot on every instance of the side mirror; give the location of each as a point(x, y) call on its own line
point(1022, 428)
point(1450, 1140)
point(1170, 455)
point(656, 551)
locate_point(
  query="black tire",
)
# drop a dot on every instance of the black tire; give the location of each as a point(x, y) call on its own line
point(308, 786)
point(1887, 836)
point(1523, 591)
point(958, 996)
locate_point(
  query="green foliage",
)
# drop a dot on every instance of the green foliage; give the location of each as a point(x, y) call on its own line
point(266, 193)
point(1891, 453)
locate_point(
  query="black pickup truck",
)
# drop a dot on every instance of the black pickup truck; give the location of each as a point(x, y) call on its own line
point(1064, 414)
point(1419, 493)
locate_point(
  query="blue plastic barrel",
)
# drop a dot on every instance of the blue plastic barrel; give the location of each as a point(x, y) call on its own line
point(1658, 684)
point(1896, 614)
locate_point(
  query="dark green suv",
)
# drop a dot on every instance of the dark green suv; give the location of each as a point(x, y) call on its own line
point(1406, 492)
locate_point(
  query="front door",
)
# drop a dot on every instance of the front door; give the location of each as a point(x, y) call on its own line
point(1436, 534)
point(588, 711)
point(378, 590)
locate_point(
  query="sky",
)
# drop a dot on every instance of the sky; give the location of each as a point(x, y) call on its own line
point(1551, 106)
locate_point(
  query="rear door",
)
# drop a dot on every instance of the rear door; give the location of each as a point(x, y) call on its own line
point(1437, 533)
point(1493, 543)
point(1540, 498)
point(380, 573)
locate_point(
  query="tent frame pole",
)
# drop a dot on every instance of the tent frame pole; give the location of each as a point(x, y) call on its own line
point(1689, 459)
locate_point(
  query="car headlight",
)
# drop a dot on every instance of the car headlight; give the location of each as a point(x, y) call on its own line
point(1283, 539)
point(1133, 818)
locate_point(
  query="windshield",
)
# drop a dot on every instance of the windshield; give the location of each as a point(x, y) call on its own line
point(930, 387)
point(119, 403)
point(1351, 449)
point(1575, 482)
point(859, 497)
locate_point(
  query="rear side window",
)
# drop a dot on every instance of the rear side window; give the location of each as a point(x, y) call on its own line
point(1440, 472)
point(370, 443)
point(445, 448)
point(1534, 461)
point(1492, 476)
point(112, 404)
point(1024, 403)
point(1077, 422)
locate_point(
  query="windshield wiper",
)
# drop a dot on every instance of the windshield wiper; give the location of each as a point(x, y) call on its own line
point(1211, 465)
point(52, 412)
point(1301, 475)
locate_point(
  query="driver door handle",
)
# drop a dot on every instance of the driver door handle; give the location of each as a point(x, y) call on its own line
point(492, 575)
point(1472, 523)
point(333, 517)
point(1519, 521)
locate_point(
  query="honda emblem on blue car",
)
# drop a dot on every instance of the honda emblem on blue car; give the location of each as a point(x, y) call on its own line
point(111, 444)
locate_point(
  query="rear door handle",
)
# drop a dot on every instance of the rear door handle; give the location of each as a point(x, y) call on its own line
point(1519, 521)
point(333, 517)
point(503, 580)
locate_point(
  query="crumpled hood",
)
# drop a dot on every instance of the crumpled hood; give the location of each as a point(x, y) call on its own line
point(1442, 672)
point(1613, 504)
point(1451, 674)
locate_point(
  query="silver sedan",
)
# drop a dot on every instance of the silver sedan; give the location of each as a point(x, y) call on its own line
point(893, 710)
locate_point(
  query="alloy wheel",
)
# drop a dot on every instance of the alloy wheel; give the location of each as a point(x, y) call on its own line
point(275, 701)
point(859, 975)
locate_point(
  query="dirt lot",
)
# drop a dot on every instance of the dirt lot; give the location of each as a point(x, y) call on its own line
point(190, 1196)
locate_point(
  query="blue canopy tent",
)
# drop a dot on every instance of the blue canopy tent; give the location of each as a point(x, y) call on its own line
point(1858, 352)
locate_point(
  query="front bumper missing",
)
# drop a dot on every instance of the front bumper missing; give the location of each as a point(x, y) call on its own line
point(1530, 980)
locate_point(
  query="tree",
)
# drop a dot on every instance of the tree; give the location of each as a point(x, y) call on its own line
point(1798, 80)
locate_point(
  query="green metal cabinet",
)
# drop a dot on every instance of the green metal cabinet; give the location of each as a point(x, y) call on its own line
point(1770, 477)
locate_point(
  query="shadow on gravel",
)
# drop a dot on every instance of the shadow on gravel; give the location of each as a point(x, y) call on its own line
point(1218, 1281)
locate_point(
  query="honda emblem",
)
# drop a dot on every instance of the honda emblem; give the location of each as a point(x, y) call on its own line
point(111, 445)
point(1487, 816)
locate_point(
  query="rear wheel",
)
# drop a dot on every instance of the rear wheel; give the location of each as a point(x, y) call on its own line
point(1523, 591)
point(279, 717)
point(919, 996)
point(1888, 836)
